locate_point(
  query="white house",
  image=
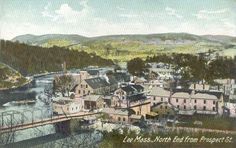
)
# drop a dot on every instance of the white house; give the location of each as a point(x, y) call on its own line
point(66, 106)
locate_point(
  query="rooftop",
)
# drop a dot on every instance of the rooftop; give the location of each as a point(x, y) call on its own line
point(158, 91)
point(181, 95)
point(92, 97)
point(97, 82)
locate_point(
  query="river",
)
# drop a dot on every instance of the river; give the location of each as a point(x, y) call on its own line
point(33, 92)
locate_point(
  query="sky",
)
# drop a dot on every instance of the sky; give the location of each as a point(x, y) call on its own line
point(107, 17)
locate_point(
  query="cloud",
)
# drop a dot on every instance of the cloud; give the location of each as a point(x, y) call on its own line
point(206, 14)
point(45, 12)
point(129, 15)
point(67, 14)
point(172, 12)
point(120, 8)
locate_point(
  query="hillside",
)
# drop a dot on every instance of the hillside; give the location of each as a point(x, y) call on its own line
point(124, 47)
point(10, 78)
point(47, 38)
point(28, 59)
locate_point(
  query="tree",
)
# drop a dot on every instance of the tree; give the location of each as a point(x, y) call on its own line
point(63, 84)
point(136, 66)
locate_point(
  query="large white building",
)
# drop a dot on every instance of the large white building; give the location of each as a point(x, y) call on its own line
point(66, 106)
point(189, 102)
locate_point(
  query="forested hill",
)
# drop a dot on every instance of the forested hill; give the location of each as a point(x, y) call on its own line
point(29, 59)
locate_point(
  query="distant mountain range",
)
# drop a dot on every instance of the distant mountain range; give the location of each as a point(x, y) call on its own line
point(175, 38)
point(124, 47)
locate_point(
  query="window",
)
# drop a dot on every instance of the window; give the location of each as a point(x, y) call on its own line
point(123, 119)
point(195, 101)
point(161, 107)
point(138, 113)
point(89, 92)
point(72, 108)
point(79, 91)
point(195, 107)
point(118, 118)
point(184, 100)
point(83, 91)
point(165, 107)
point(76, 107)
point(214, 102)
point(213, 109)
point(204, 107)
point(177, 100)
point(67, 108)
point(161, 99)
point(184, 107)
point(154, 98)
point(177, 106)
point(86, 86)
point(204, 101)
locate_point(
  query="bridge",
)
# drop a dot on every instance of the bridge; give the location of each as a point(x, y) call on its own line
point(61, 119)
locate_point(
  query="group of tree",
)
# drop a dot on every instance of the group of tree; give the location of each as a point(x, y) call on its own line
point(192, 67)
point(29, 59)
point(63, 85)
point(136, 66)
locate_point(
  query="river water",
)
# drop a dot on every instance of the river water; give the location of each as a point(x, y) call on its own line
point(33, 92)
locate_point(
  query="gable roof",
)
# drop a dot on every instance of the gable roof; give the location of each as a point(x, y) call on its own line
point(212, 93)
point(181, 95)
point(128, 89)
point(158, 91)
point(96, 82)
point(132, 88)
point(204, 96)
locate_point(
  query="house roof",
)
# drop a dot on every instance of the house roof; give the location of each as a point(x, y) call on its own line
point(122, 77)
point(128, 89)
point(132, 88)
point(136, 97)
point(158, 91)
point(91, 97)
point(204, 96)
point(138, 87)
point(189, 91)
point(73, 89)
point(181, 95)
point(93, 72)
point(209, 94)
point(97, 82)
point(112, 80)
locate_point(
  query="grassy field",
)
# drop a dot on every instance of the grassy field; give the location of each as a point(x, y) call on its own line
point(124, 50)
point(211, 122)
